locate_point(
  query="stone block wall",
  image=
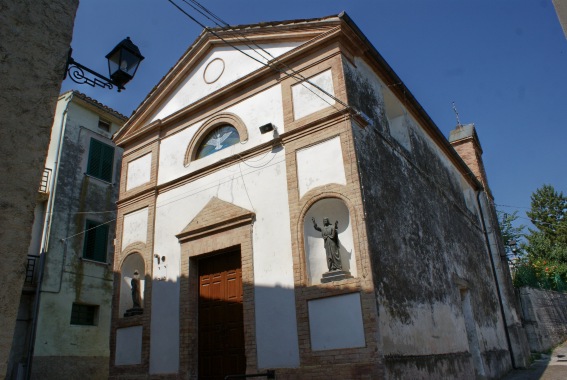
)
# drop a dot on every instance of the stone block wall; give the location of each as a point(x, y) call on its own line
point(545, 317)
point(36, 36)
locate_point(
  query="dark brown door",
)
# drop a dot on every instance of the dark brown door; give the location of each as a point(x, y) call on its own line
point(221, 327)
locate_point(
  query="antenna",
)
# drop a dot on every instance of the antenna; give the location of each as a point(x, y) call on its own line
point(457, 115)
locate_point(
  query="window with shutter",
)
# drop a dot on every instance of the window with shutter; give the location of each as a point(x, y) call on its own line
point(101, 158)
point(96, 239)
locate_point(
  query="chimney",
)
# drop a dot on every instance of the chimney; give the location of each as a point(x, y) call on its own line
point(465, 141)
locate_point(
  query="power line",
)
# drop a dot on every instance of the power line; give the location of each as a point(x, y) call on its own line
point(509, 206)
point(200, 189)
point(295, 76)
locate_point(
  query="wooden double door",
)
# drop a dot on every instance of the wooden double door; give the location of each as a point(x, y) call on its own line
point(221, 322)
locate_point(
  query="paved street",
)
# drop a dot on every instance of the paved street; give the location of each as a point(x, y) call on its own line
point(552, 367)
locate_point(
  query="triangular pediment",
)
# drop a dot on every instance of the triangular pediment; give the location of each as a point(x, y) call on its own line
point(213, 64)
point(216, 216)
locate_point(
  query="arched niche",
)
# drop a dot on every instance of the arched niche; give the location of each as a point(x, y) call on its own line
point(131, 264)
point(315, 258)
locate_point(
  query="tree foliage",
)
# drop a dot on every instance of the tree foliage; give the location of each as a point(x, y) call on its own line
point(544, 262)
point(549, 214)
point(510, 233)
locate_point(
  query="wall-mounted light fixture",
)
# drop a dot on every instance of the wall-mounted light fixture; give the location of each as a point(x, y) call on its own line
point(266, 128)
point(123, 62)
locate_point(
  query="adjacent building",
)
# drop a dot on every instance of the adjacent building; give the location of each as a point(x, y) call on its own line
point(286, 204)
point(64, 318)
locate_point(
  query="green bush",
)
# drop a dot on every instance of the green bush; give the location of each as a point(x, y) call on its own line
point(542, 274)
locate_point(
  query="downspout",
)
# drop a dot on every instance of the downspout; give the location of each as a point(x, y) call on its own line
point(31, 344)
point(494, 275)
point(45, 239)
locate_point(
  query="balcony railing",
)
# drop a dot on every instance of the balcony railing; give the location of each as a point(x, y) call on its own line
point(44, 184)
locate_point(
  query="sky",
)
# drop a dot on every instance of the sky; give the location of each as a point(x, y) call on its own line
point(503, 63)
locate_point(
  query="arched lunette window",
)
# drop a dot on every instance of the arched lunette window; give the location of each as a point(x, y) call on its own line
point(219, 132)
point(219, 138)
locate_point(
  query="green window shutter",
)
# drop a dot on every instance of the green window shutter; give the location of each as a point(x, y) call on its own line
point(90, 240)
point(106, 163)
point(94, 158)
point(101, 241)
point(96, 240)
point(101, 158)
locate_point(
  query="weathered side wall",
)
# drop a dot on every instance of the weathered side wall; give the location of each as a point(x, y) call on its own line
point(70, 367)
point(36, 36)
point(545, 317)
point(63, 350)
point(439, 310)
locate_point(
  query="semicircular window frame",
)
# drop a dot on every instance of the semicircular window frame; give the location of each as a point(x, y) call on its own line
point(220, 138)
point(206, 136)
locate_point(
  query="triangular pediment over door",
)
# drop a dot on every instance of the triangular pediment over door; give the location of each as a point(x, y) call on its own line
point(215, 217)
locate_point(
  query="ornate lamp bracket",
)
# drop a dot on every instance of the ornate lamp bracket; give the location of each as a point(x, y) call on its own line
point(76, 73)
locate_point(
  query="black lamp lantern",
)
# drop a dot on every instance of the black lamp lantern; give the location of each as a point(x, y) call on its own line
point(123, 62)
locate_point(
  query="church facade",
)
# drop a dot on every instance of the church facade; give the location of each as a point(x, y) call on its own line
point(286, 205)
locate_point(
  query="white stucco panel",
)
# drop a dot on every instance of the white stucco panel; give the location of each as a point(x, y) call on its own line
point(135, 227)
point(259, 185)
point(229, 65)
point(336, 322)
point(319, 165)
point(128, 346)
point(139, 171)
point(308, 99)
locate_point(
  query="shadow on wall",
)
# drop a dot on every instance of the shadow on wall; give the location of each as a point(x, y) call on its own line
point(228, 324)
point(230, 317)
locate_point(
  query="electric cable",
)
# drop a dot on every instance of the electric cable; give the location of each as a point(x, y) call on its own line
point(267, 64)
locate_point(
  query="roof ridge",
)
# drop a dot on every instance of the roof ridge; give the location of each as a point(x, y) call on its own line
point(98, 104)
point(274, 23)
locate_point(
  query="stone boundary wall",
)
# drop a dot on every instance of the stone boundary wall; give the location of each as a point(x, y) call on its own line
point(544, 314)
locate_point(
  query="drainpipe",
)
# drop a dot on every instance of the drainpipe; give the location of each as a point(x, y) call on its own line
point(494, 274)
point(31, 344)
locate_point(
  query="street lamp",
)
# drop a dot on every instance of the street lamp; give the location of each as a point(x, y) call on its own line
point(123, 62)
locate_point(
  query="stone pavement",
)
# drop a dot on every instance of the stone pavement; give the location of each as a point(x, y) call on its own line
point(549, 367)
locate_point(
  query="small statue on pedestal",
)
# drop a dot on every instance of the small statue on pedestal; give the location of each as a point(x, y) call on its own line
point(135, 283)
point(332, 250)
point(136, 296)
